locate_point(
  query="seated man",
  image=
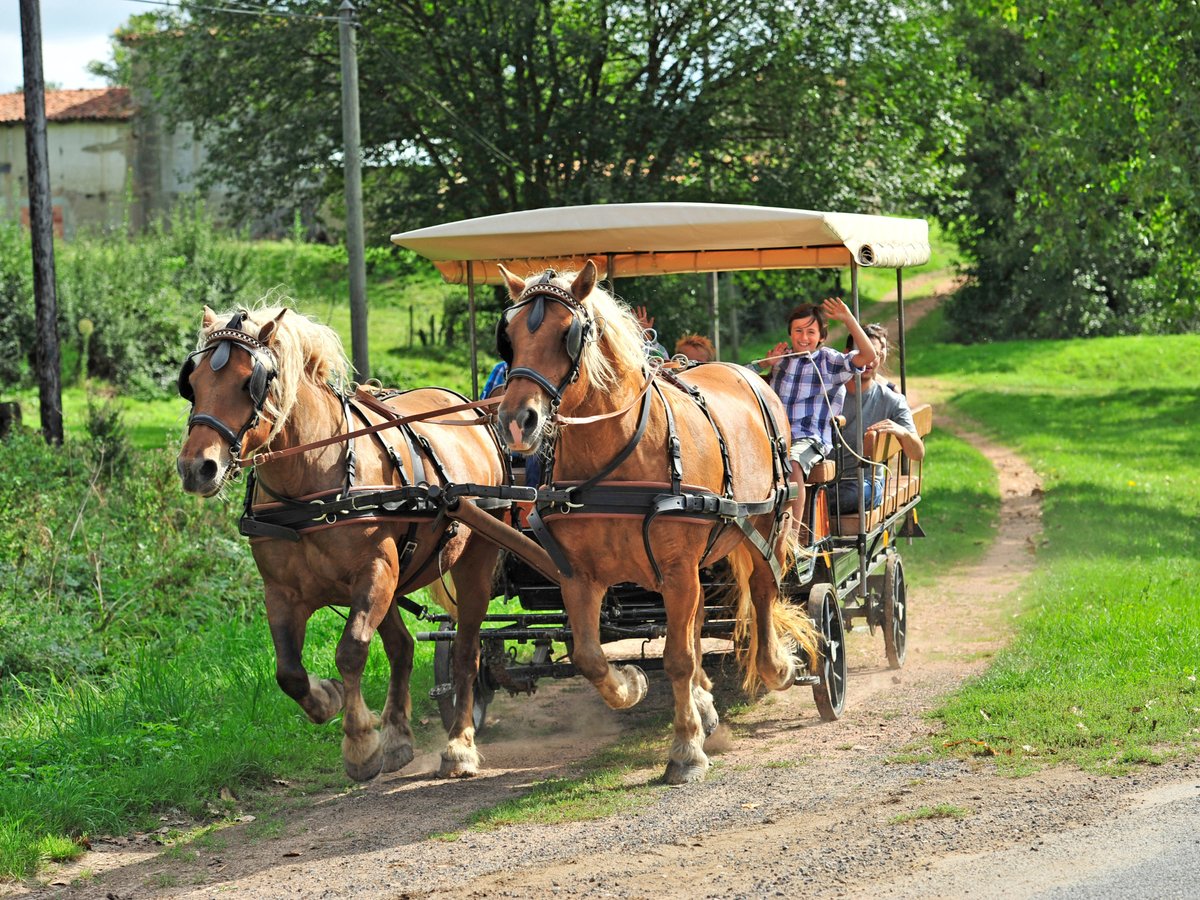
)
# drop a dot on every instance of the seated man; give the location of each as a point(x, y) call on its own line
point(886, 412)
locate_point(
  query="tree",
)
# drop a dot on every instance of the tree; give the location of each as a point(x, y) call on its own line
point(481, 106)
point(1080, 196)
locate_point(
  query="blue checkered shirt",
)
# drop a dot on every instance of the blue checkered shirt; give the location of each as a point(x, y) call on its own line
point(812, 390)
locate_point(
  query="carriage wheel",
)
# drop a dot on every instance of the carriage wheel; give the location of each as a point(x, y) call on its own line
point(895, 611)
point(443, 673)
point(826, 612)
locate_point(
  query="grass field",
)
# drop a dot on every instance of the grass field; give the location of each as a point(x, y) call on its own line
point(1103, 670)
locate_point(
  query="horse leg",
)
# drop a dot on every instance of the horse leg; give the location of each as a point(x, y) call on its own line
point(395, 731)
point(320, 698)
point(620, 686)
point(473, 589)
point(681, 597)
point(776, 667)
point(371, 598)
point(701, 683)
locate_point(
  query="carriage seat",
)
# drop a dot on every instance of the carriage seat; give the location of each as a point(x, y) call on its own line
point(822, 473)
point(902, 483)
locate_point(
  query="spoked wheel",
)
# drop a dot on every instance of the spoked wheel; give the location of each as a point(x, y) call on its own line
point(443, 673)
point(895, 611)
point(826, 612)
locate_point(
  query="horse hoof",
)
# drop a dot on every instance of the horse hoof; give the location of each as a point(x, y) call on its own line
point(638, 685)
point(396, 758)
point(457, 768)
point(681, 773)
point(709, 724)
point(365, 771)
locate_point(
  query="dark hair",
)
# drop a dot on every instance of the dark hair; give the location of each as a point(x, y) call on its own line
point(810, 311)
point(875, 331)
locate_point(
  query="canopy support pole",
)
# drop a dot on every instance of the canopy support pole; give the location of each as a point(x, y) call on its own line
point(471, 325)
point(900, 326)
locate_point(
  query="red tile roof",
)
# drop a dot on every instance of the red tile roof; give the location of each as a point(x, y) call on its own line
point(103, 104)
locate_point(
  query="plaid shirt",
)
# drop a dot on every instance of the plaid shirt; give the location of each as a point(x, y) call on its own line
point(804, 383)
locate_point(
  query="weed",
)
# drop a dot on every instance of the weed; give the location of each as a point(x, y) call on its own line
point(941, 811)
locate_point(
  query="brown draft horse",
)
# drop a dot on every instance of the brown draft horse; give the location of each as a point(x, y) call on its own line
point(576, 352)
point(274, 379)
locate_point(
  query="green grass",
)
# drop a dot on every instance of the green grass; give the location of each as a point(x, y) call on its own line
point(1102, 671)
point(959, 510)
point(941, 811)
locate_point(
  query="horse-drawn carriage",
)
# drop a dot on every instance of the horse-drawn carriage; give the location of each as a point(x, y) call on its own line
point(849, 567)
point(661, 511)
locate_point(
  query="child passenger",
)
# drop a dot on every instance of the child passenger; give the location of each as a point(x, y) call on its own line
point(809, 379)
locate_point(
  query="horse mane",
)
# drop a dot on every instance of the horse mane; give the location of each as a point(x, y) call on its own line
point(303, 350)
point(620, 347)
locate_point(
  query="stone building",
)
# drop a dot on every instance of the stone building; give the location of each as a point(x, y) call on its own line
point(111, 165)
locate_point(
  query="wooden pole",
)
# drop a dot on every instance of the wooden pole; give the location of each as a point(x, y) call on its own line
point(41, 226)
point(354, 211)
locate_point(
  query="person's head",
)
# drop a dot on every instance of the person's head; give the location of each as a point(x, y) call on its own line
point(878, 336)
point(696, 347)
point(807, 328)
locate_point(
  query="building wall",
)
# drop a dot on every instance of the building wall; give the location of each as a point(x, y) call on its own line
point(89, 164)
point(103, 175)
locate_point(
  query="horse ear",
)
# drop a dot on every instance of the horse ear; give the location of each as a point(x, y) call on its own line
point(584, 281)
point(268, 330)
point(515, 284)
point(209, 320)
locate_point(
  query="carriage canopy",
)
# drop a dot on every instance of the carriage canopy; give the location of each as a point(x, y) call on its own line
point(636, 239)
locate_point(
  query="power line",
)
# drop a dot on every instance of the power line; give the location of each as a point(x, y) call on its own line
point(241, 9)
point(445, 106)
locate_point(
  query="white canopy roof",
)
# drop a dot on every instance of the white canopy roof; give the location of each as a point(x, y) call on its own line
point(628, 239)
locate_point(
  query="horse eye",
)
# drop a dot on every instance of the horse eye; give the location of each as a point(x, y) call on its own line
point(246, 386)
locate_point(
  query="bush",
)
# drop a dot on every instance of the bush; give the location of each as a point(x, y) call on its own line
point(144, 296)
point(18, 334)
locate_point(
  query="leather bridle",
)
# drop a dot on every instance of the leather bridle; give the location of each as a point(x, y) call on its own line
point(220, 344)
point(581, 330)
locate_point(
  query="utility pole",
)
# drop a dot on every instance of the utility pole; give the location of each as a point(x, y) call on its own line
point(354, 211)
point(41, 225)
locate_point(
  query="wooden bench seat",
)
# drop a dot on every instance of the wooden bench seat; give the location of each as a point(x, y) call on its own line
point(902, 483)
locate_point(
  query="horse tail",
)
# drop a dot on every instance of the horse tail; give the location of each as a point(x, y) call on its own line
point(442, 593)
point(790, 622)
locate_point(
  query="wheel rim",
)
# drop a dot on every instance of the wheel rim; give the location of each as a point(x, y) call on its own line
point(826, 614)
point(834, 664)
point(895, 610)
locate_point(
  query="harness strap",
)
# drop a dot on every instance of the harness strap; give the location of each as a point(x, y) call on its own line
point(478, 405)
point(538, 525)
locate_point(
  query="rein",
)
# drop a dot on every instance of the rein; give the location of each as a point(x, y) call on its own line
point(599, 417)
point(259, 459)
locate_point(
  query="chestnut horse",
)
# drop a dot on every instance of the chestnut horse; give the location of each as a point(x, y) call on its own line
point(274, 379)
point(653, 477)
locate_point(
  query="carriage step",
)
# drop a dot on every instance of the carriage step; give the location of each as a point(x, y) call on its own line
point(440, 690)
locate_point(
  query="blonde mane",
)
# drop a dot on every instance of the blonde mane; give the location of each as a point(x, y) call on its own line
point(302, 349)
point(620, 347)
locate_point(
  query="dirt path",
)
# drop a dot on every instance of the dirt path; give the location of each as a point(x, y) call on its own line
point(792, 807)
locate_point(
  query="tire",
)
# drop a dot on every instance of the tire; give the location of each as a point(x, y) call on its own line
point(443, 673)
point(895, 611)
point(825, 610)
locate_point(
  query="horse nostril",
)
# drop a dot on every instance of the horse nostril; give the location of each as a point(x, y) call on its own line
point(526, 420)
point(208, 470)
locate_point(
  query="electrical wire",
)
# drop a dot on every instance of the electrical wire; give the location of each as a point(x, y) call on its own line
point(241, 9)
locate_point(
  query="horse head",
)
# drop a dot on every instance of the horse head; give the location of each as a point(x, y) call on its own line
point(227, 379)
point(542, 337)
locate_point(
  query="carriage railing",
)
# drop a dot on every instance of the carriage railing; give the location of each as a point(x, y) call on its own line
point(902, 480)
